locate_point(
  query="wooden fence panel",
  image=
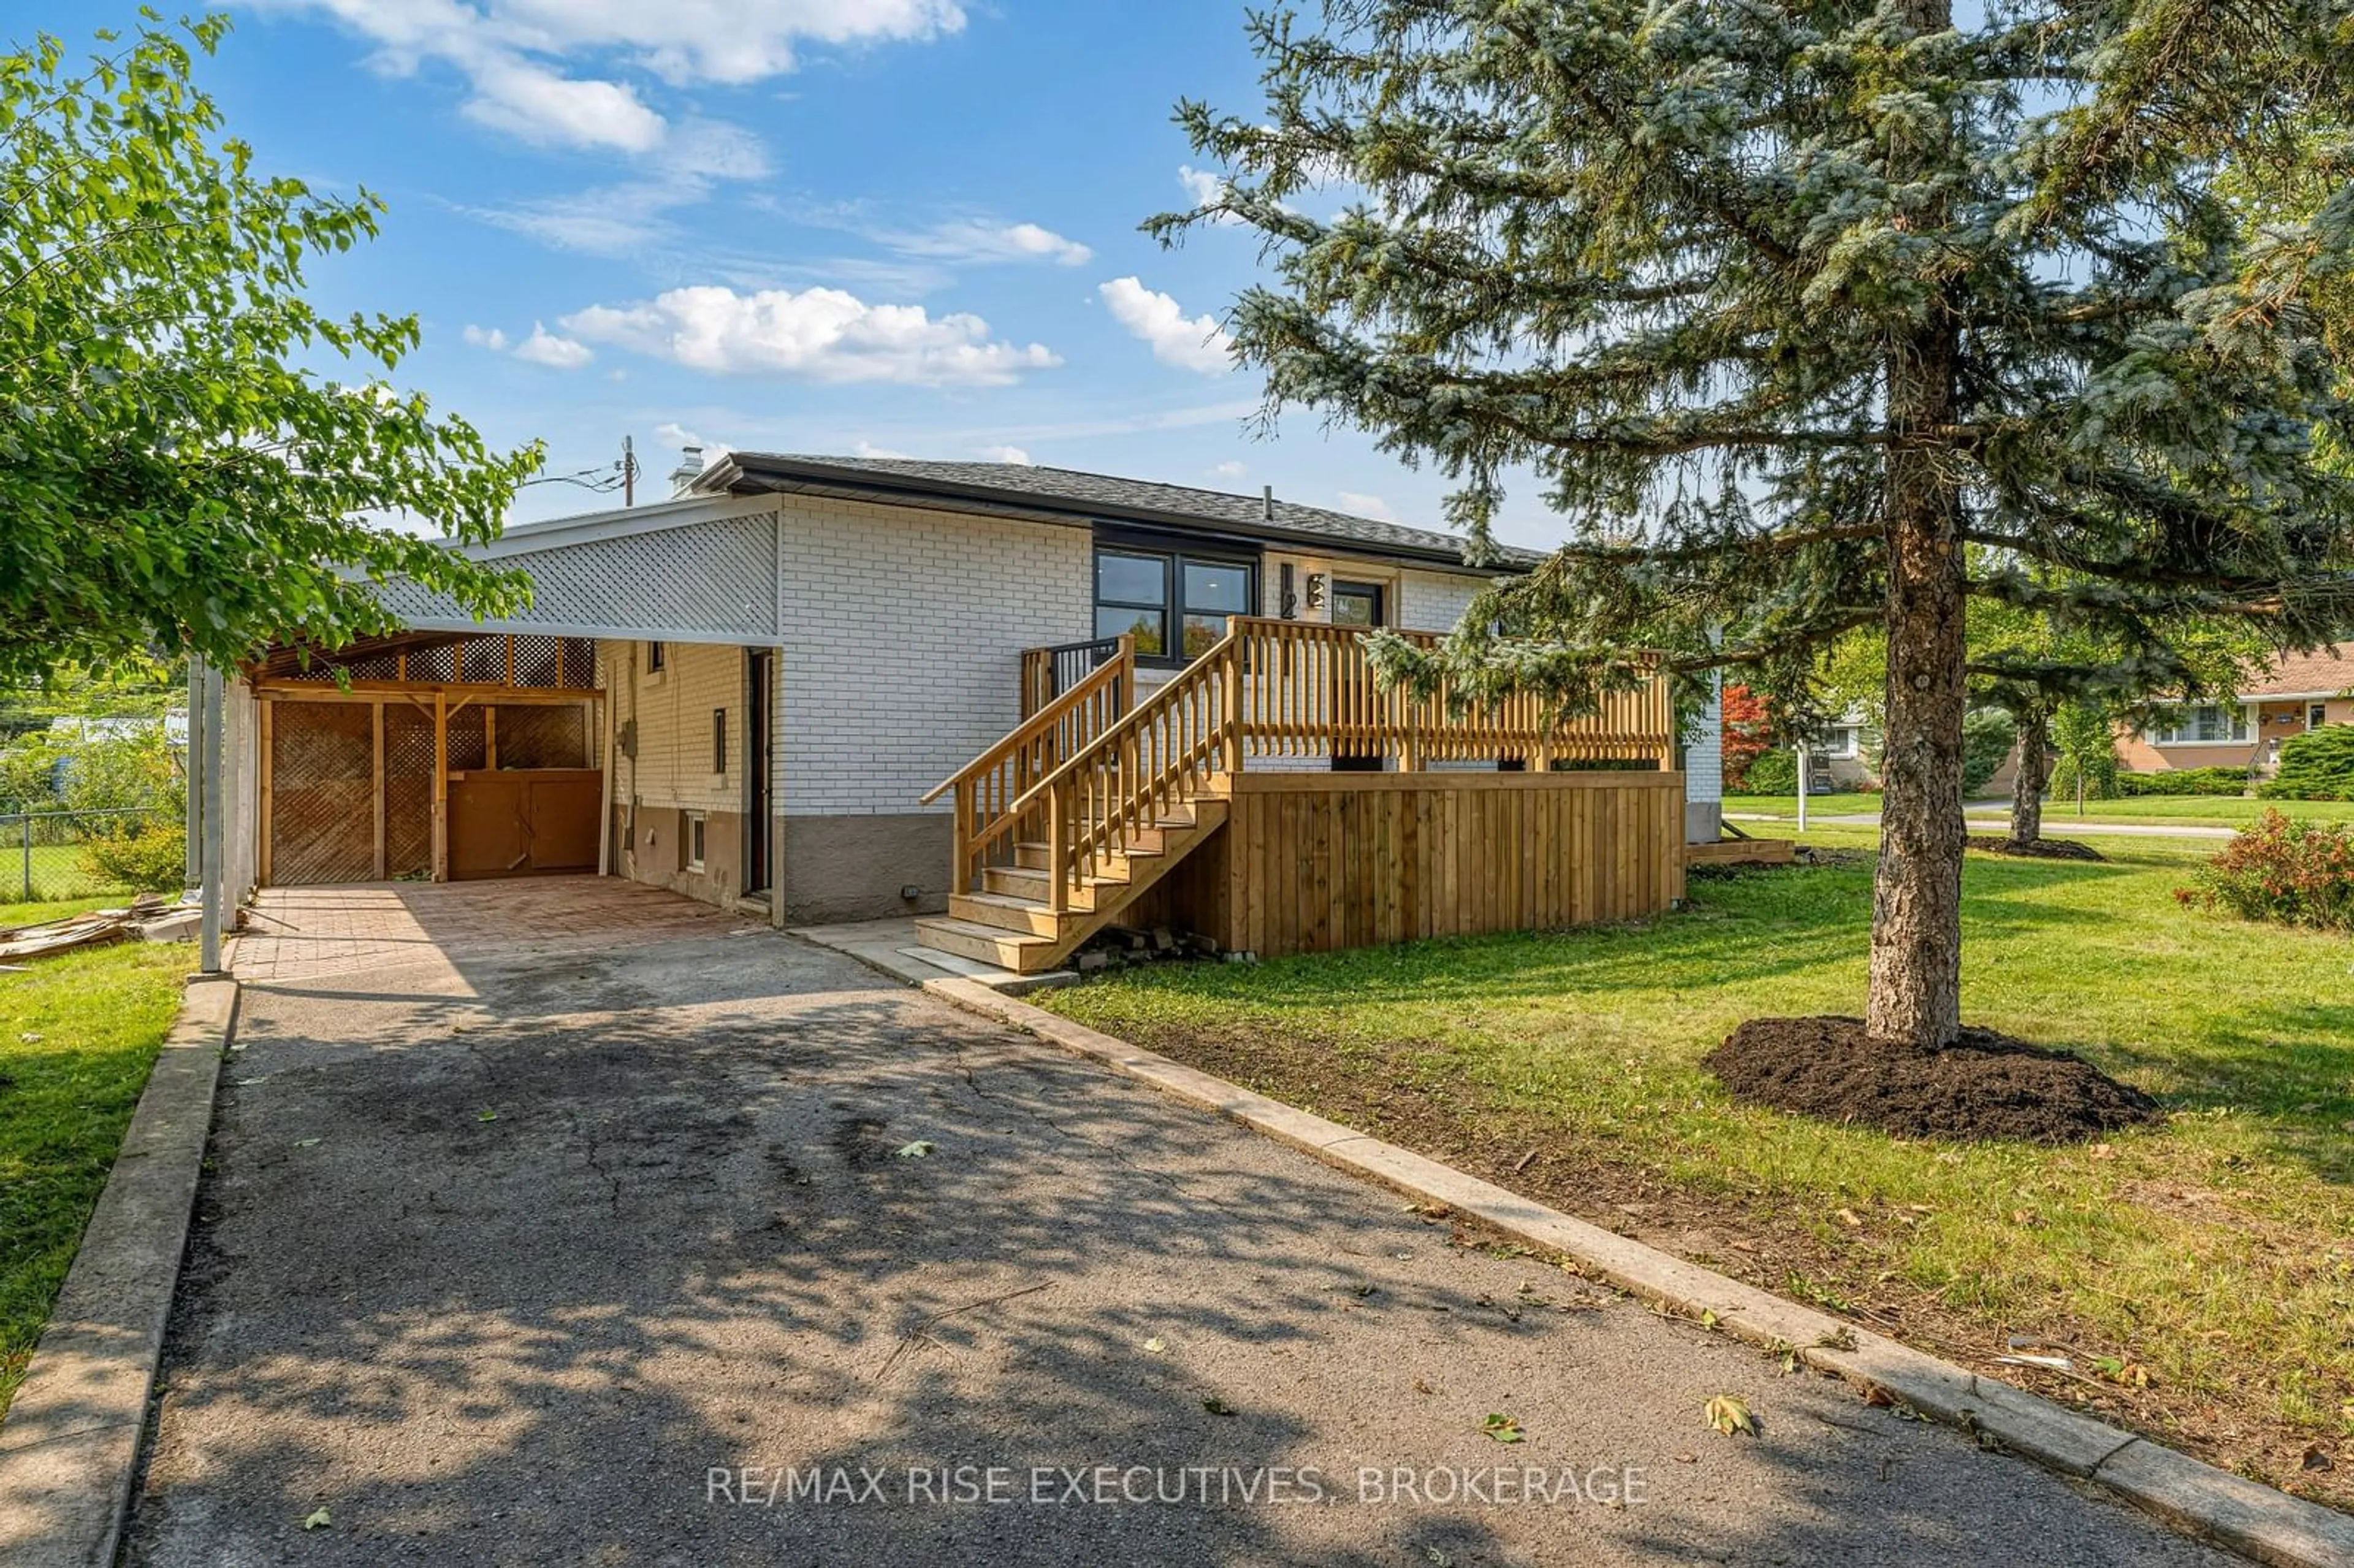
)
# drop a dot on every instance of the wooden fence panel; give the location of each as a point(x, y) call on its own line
point(1316, 863)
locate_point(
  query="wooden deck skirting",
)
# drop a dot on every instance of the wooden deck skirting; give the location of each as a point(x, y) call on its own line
point(1312, 862)
point(1098, 802)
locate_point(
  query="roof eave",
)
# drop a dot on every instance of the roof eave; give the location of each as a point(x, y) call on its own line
point(783, 476)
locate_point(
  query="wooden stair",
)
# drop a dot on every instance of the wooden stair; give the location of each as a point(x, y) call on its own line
point(1009, 922)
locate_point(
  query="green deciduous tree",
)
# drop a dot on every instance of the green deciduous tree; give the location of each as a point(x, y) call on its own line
point(174, 473)
point(1814, 318)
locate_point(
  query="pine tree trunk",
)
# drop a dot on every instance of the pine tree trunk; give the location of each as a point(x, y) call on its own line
point(2027, 793)
point(1915, 998)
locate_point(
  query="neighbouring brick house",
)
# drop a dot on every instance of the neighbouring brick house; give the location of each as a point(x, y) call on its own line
point(2288, 696)
point(748, 691)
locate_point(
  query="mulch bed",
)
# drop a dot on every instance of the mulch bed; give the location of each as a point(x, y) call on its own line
point(2042, 848)
point(1984, 1086)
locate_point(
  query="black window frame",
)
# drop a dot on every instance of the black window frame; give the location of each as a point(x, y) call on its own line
point(1174, 557)
point(719, 740)
point(656, 658)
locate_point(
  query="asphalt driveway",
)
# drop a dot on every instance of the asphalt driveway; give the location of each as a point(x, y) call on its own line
point(563, 1223)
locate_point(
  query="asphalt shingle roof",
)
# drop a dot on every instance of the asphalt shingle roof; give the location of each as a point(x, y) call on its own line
point(1115, 498)
point(2303, 675)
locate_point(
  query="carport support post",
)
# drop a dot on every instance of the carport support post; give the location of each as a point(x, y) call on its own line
point(209, 951)
point(196, 822)
point(441, 786)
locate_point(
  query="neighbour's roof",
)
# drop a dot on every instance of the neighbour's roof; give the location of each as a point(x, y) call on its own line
point(1022, 489)
point(2321, 674)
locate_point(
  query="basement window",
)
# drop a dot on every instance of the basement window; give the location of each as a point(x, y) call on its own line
point(695, 841)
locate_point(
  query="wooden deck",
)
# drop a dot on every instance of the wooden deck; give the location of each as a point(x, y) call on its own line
point(1742, 852)
point(1213, 804)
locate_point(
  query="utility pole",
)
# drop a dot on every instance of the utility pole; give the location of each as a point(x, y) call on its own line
point(629, 470)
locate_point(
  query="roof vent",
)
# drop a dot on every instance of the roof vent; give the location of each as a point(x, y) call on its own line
point(689, 469)
point(1267, 502)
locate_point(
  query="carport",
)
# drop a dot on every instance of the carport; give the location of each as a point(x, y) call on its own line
point(439, 757)
point(551, 740)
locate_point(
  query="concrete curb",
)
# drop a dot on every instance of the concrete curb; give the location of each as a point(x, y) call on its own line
point(2241, 1515)
point(70, 1448)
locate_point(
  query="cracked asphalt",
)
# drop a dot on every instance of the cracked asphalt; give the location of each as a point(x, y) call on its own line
point(675, 1244)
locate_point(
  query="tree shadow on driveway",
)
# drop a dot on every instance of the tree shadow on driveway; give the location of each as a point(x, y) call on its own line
point(515, 1266)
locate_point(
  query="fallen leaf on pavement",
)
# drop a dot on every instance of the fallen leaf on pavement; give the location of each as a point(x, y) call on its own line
point(1729, 1416)
point(914, 1150)
point(1217, 1406)
point(318, 1520)
point(1154, 1345)
point(1502, 1428)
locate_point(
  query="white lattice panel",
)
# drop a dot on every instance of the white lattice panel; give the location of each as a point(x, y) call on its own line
point(718, 578)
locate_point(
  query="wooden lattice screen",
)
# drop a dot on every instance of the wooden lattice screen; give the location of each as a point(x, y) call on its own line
point(538, 735)
point(323, 765)
point(408, 790)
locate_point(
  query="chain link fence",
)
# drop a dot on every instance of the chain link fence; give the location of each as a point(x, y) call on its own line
point(43, 858)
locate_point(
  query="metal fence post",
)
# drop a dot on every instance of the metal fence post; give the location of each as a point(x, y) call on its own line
point(24, 826)
point(209, 959)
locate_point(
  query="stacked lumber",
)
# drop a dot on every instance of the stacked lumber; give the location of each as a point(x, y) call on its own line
point(95, 929)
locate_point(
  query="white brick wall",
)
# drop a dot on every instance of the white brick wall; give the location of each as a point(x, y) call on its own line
point(673, 709)
point(903, 631)
point(1705, 759)
point(1435, 601)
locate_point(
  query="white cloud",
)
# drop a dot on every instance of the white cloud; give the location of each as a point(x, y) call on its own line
point(491, 338)
point(540, 106)
point(866, 448)
point(817, 334)
point(973, 239)
point(549, 71)
point(671, 433)
point(1006, 454)
point(544, 347)
point(1229, 469)
point(1371, 506)
point(1191, 343)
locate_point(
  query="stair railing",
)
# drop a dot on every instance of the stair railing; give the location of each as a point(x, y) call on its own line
point(1161, 755)
point(987, 820)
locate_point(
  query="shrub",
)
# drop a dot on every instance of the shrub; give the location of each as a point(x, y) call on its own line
point(1772, 773)
point(2315, 766)
point(2186, 781)
point(1986, 738)
point(1749, 733)
point(2296, 872)
point(152, 860)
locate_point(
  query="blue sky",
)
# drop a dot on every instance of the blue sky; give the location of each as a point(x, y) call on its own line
point(820, 226)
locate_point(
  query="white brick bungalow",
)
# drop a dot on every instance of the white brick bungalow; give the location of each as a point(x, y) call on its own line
point(770, 672)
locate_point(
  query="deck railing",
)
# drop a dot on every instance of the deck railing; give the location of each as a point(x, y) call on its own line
point(1308, 690)
point(1062, 727)
point(1267, 689)
point(1048, 672)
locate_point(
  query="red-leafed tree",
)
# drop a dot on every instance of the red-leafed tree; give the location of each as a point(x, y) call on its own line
point(1748, 734)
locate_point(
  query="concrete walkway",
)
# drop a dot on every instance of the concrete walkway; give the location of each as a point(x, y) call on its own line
point(521, 1254)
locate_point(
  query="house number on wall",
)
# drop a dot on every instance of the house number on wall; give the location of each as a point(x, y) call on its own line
point(1315, 590)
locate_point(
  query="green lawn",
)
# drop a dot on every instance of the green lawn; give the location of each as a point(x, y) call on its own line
point(2223, 810)
point(2216, 1251)
point(58, 873)
point(78, 1035)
